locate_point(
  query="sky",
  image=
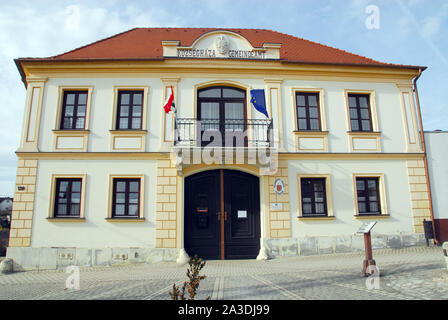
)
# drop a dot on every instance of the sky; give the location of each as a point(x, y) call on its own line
point(412, 32)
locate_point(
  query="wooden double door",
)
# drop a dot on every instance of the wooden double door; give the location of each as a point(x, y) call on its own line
point(222, 215)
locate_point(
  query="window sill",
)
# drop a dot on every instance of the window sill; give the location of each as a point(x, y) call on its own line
point(316, 218)
point(364, 133)
point(71, 132)
point(66, 219)
point(125, 219)
point(371, 216)
point(128, 131)
point(310, 133)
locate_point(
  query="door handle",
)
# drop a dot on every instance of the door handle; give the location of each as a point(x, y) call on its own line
point(225, 216)
point(219, 215)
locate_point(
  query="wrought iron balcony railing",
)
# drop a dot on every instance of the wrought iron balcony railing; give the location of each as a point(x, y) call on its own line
point(225, 133)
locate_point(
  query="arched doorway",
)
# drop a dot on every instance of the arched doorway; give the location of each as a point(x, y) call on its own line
point(222, 215)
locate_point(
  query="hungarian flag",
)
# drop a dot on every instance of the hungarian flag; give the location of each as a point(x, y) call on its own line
point(169, 103)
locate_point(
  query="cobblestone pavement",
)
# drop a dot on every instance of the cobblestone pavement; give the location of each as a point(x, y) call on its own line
point(412, 273)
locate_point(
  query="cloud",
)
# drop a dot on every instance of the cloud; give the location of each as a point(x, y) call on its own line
point(431, 26)
point(41, 31)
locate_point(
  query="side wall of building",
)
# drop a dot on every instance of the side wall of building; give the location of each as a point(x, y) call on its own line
point(437, 152)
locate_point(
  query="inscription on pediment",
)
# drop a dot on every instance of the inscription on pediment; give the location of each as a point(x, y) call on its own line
point(221, 45)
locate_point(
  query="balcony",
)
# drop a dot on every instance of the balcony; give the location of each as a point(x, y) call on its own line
point(228, 133)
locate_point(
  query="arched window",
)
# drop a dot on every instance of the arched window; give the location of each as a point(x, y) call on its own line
point(222, 110)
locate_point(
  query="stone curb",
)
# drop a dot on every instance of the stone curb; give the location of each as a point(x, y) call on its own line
point(6, 266)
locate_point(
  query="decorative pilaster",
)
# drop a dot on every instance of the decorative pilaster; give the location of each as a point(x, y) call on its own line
point(167, 134)
point(166, 211)
point(279, 219)
point(31, 119)
point(419, 194)
point(274, 105)
point(23, 206)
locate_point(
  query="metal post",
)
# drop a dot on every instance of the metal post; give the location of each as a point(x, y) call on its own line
point(368, 261)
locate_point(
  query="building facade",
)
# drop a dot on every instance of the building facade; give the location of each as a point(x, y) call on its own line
point(436, 142)
point(106, 176)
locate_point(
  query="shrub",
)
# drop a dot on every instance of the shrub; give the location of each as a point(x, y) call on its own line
point(191, 286)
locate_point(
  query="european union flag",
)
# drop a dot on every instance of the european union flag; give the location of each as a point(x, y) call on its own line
point(259, 101)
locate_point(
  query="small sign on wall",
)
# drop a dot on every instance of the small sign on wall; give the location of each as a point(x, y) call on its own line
point(276, 206)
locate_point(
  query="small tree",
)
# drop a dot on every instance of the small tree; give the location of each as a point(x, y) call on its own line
point(196, 264)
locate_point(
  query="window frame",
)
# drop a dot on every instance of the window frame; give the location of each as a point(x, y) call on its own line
point(307, 118)
point(321, 104)
point(366, 195)
point(127, 203)
point(372, 109)
point(61, 108)
point(111, 198)
point(69, 194)
point(53, 194)
point(358, 108)
point(130, 116)
point(221, 101)
point(76, 106)
point(381, 194)
point(115, 114)
point(313, 202)
point(328, 197)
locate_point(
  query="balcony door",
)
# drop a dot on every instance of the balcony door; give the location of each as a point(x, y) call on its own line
point(221, 111)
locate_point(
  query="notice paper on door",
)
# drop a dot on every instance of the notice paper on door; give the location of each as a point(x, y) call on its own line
point(242, 214)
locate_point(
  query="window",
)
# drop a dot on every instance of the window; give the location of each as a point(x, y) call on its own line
point(368, 197)
point(222, 111)
point(308, 111)
point(68, 197)
point(126, 198)
point(360, 114)
point(74, 108)
point(130, 110)
point(313, 195)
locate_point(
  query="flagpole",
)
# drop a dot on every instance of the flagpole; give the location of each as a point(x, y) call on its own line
point(174, 114)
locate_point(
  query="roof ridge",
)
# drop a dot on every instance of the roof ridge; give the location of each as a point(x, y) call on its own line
point(93, 43)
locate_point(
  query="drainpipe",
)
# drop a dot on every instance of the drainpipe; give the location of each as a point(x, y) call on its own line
point(425, 158)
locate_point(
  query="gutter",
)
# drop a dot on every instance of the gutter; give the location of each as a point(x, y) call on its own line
point(425, 158)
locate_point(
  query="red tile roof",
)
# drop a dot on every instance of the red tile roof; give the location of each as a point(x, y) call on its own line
point(145, 44)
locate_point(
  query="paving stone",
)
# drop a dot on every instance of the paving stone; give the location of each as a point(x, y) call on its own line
point(409, 273)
